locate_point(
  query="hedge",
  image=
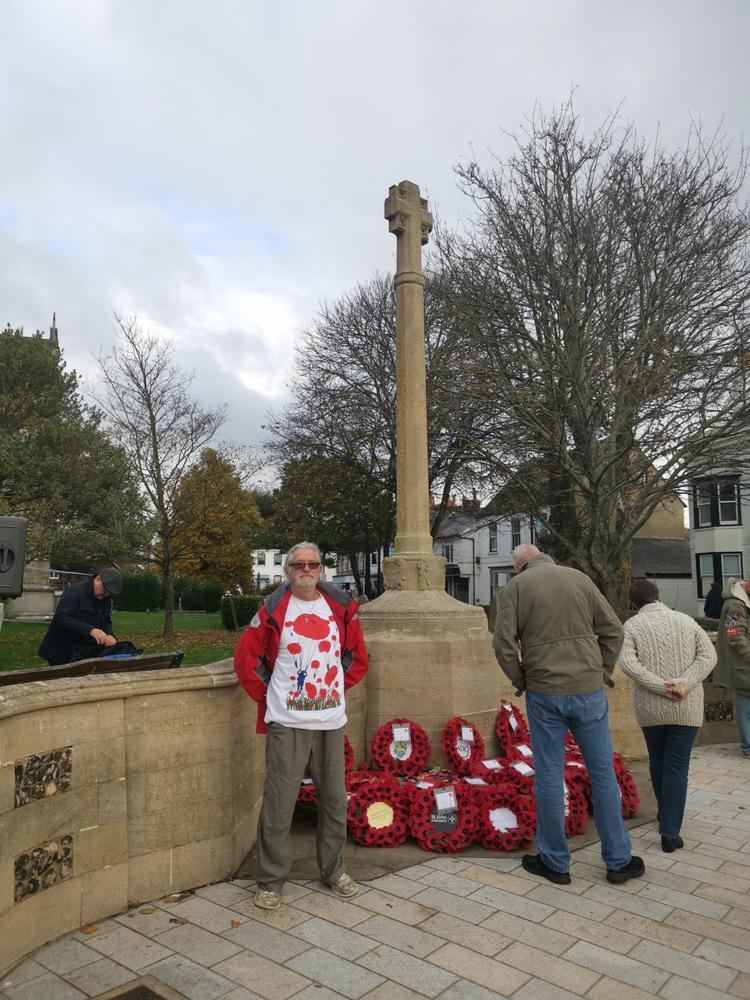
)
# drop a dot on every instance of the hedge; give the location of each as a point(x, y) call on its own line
point(212, 595)
point(140, 592)
point(244, 607)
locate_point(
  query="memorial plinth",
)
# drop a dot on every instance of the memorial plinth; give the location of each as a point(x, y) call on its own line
point(430, 655)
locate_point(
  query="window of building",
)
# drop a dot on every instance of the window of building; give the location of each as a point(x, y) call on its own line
point(493, 536)
point(373, 558)
point(515, 532)
point(498, 579)
point(448, 552)
point(260, 557)
point(277, 558)
point(716, 567)
point(716, 504)
point(729, 504)
point(703, 502)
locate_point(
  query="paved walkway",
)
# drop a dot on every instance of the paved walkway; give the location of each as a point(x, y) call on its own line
point(453, 927)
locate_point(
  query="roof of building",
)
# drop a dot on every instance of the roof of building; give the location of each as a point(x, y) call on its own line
point(661, 557)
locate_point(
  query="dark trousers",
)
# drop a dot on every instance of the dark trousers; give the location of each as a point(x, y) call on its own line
point(669, 761)
point(287, 753)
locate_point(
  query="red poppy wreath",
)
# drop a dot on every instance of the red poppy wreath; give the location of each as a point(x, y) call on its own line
point(576, 774)
point(576, 809)
point(628, 788)
point(507, 819)
point(521, 774)
point(462, 744)
point(510, 727)
point(378, 813)
point(443, 815)
point(401, 746)
point(493, 771)
point(306, 791)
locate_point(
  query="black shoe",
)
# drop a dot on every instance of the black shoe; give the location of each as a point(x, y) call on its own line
point(633, 869)
point(671, 844)
point(533, 863)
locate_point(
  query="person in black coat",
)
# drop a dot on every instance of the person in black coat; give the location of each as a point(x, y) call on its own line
point(82, 619)
point(714, 602)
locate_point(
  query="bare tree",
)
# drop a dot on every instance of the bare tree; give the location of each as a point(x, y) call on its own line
point(606, 287)
point(162, 429)
point(344, 394)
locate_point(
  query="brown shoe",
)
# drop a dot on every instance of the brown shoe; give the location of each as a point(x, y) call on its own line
point(344, 886)
point(266, 899)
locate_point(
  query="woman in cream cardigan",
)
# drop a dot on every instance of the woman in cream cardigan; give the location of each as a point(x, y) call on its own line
point(667, 655)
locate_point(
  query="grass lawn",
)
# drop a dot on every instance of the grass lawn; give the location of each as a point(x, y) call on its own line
point(198, 633)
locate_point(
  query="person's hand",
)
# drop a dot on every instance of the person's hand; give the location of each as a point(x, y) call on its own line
point(101, 638)
point(677, 691)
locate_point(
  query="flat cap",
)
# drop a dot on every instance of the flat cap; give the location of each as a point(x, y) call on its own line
point(112, 580)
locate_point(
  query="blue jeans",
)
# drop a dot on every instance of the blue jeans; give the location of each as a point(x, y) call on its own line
point(586, 715)
point(743, 722)
point(668, 763)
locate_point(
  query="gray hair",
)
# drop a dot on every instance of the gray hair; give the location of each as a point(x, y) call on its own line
point(302, 545)
point(522, 553)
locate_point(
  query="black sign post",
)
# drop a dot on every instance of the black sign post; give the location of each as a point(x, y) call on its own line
point(12, 555)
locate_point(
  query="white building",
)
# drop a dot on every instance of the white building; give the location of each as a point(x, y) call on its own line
point(719, 532)
point(268, 568)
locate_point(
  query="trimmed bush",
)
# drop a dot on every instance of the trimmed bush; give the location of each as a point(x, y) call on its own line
point(191, 595)
point(244, 606)
point(140, 592)
point(212, 595)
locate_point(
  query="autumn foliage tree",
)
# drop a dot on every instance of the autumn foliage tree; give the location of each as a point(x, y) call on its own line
point(215, 518)
point(336, 503)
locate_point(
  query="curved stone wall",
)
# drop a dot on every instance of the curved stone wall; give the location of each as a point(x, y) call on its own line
point(119, 788)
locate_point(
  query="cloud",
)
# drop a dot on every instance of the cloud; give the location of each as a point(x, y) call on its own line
point(219, 170)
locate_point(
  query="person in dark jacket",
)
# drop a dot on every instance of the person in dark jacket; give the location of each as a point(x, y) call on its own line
point(82, 619)
point(714, 602)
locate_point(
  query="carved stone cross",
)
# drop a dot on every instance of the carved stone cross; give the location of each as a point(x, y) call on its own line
point(410, 221)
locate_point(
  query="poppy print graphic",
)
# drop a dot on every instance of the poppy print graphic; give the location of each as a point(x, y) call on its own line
point(312, 642)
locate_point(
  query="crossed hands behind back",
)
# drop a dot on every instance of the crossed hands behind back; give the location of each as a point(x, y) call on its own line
point(677, 691)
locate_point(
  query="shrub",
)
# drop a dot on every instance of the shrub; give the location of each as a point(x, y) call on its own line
point(245, 607)
point(212, 595)
point(140, 592)
point(191, 595)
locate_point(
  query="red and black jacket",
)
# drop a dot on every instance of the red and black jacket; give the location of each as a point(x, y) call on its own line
point(256, 652)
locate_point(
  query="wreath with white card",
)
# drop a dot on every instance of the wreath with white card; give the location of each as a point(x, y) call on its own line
point(510, 727)
point(444, 815)
point(462, 744)
point(507, 818)
point(401, 746)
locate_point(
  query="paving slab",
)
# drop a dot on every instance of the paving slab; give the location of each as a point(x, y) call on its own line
point(470, 927)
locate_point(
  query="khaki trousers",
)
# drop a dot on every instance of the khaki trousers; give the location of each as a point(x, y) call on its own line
point(287, 754)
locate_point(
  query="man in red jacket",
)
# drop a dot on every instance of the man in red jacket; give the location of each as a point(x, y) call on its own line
point(302, 650)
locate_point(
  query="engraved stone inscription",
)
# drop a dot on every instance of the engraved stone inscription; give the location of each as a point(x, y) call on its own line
point(43, 866)
point(718, 711)
point(43, 774)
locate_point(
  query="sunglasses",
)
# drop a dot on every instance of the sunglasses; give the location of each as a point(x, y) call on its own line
point(309, 563)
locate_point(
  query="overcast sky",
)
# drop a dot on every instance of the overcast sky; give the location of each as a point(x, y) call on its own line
point(219, 168)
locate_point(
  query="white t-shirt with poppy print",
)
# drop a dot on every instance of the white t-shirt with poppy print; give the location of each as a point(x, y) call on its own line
point(307, 684)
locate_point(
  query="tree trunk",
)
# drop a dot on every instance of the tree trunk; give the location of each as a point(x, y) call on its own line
point(168, 578)
point(354, 563)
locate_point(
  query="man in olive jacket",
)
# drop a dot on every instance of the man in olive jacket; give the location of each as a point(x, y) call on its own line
point(733, 651)
point(557, 639)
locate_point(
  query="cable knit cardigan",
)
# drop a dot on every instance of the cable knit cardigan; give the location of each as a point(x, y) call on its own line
point(663, 646)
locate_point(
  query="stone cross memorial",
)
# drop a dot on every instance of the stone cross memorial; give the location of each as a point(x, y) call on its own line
point(430, 655)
